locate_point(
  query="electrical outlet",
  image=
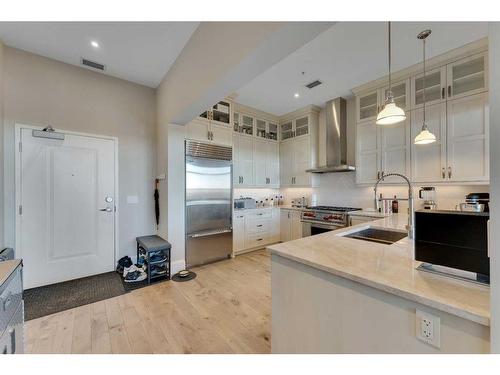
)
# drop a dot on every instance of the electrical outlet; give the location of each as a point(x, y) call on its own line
point(428, 328)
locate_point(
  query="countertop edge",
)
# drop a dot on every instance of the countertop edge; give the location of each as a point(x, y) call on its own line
point(12, 264)
point(480, 319)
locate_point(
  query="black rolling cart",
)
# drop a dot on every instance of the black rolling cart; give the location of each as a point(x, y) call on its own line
point(154, 252)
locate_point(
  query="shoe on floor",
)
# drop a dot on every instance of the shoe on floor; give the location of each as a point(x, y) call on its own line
point(133, 268)
point(135, 276)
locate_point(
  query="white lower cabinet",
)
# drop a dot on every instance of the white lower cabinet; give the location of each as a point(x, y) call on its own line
point(254, 229)
point(238, 232)
point(290, 225)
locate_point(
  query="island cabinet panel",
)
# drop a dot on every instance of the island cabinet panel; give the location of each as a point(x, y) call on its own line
point(314, 311)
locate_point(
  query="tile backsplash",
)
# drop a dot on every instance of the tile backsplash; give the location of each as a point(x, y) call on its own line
point(340, 189)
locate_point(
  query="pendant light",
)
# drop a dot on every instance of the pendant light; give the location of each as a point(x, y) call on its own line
point(425, 136)
point(391, 113)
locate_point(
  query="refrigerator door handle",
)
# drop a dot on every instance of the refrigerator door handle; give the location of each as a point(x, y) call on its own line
point(210, 233)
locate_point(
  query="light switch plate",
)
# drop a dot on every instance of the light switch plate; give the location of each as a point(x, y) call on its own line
point(428, 328)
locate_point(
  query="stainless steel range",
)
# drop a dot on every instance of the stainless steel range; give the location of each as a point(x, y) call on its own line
point(320, 219)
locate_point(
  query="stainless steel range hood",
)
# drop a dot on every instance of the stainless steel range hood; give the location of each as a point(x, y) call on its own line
point(335, 139)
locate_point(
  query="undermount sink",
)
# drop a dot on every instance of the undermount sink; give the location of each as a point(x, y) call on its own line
point(377, 235)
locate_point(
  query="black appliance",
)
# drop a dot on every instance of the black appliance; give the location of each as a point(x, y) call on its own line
point(453, 239)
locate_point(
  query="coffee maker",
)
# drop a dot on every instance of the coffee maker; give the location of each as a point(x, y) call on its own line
point(428, 194)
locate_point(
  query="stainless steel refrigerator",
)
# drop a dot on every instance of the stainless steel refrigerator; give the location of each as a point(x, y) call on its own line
point(209, 233)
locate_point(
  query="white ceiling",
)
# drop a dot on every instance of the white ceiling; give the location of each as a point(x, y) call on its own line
point(140, 52)
point(348, 55)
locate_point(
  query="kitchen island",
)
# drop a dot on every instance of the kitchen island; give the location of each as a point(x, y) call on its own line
point(333, 294)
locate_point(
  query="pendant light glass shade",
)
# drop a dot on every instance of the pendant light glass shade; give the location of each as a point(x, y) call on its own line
point(425, 136)
point(391, 113)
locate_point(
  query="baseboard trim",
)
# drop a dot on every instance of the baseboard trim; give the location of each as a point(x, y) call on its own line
point(236, 253)
point(177, 266)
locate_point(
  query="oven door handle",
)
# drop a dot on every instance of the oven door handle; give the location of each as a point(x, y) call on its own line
point(324, 226)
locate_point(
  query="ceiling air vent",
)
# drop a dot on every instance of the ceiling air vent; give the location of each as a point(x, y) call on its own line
point(313, 84)
point(93, 64)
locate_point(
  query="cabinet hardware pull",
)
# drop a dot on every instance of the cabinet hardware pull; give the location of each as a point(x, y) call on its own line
point(443, 173)
point(449, 90)
point(442, 93)
point(449, 172)
point(259, 239)
point(242, 179)
point(378, 175)
point(260, 225)
point(208, 135)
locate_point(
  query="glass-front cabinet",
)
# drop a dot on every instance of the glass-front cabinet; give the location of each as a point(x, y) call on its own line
point(368, 105)
point(467, 76)
point(295, 128)
point(286, 130)
point(401, 94)
point(272, 131)
point(261, 128)
point(220, 113)
point(435, 83)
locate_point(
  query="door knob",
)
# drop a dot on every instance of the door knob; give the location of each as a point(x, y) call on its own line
point(107, 209)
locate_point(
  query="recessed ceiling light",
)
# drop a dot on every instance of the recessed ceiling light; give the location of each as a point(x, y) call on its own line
point(296, 95)
point(94, 44)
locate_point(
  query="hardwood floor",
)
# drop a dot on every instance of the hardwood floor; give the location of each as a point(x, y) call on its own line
point(226, 309)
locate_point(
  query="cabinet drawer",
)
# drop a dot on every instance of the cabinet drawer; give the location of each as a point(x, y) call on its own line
point(257, 239)
point(258, 225)
point(264, 214)
point(11, 294)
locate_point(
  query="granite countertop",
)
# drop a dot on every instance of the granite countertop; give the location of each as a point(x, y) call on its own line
point(390, 268)
point(6, 269)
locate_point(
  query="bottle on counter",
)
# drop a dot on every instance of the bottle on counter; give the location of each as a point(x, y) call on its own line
point(395, 205)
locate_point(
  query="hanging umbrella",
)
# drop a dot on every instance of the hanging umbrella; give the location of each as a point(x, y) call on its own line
point(157, 203)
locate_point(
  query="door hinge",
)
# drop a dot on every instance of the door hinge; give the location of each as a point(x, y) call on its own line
point(20, 146)
point(20, 209)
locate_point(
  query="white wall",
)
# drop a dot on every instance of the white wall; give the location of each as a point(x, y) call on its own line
point(40, 91)
point(494, 52)
point(175, 231)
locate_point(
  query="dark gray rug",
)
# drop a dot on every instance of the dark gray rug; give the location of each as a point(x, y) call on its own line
point(49, 299)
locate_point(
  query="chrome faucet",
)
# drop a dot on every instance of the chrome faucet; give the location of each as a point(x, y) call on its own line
point(411, 212)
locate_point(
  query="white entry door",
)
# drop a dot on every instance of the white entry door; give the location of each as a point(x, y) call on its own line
point(66, 213)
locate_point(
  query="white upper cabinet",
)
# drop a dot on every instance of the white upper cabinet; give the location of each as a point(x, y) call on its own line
point(259, 162)
point(302, 162)
point(272, 164)
point(287, 163)
point(395, 149)
point(286, 130)
point(213, 125)
point(243, 175)
point(381, 150)
point(456, 93)
point(468, 139)
point(367, 152)
point(429, 161)
point(401, 93)
point(368, 105)
point(435, 87)
point(467, 76)
point(298, 147)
